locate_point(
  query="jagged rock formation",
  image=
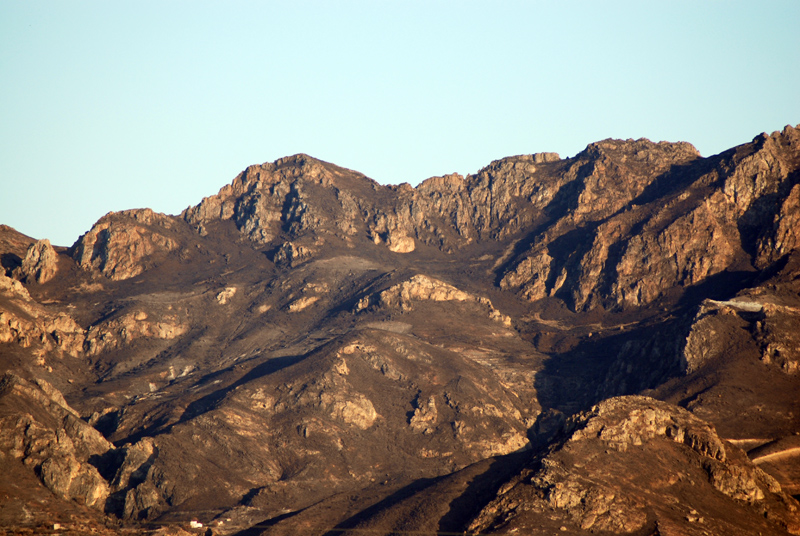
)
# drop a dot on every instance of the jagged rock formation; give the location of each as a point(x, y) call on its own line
point(308, 348)
point(586, 482)
point(119, 245)
point(28, 324)
point(728, 208)
point(599, 197)
point(40, 263)
point(123, 330)
point(52, 439)
point(629, 465)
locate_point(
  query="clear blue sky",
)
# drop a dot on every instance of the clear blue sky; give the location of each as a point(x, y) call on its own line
point(109, 105)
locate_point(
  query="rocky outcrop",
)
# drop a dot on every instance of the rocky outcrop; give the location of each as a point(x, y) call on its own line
point(302, 303)
point(224, 296)
point(28, 324)
point(124, 329)
point(272, 350)
point(292, 254)
point(264, 200)
point(44, 333)
point(783, 237)
point(40, 263)
point(625, 422)
point(679, 254)
point(703, 343)
point(399, 243)
point(120, 244)
point(764, 318)
point(778, 338)
point(589, 481)
point(533, 272)
point(423, 288)
point(649, 239)
point(131, 496)
point(51, 438)
point(418, 288)
point(13, 289)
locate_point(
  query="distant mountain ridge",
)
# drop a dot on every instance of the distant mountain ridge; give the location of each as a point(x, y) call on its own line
point(308, 350)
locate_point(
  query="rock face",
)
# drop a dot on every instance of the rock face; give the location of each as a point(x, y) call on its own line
point(124, 329)
point(606, 471)
point(308, 351)
point(40, 263)
point(724, 207)
point(27, 324)
point(423, 288)
point(118, 244)
point(607, 475)
point(265, 198)
point(51, 439)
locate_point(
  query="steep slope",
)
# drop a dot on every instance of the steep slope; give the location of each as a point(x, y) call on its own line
point(309, 346)
point(615, 473)
point(630, 465)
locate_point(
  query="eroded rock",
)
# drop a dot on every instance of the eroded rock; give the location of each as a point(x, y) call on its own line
point(119, 243)
point(52, 439)
point(40, 263)
point(423, 288)
point(589, 482)
point(30, 325)
point(124, 329)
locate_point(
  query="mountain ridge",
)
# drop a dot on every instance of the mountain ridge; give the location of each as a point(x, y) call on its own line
point(307, 334)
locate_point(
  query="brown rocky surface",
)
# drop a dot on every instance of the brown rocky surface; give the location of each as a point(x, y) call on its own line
point(40, 431)
point(120, 244)
point(309, 349)
point(45, 331)
point(610, 474)
point(40, 263)
point(630, 465)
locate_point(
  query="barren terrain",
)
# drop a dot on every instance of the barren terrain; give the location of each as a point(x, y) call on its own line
point(607, 343)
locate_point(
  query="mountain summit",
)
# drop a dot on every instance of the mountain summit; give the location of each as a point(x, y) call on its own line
point(604, 343)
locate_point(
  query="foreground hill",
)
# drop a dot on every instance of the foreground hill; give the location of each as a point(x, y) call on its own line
point(309, 351)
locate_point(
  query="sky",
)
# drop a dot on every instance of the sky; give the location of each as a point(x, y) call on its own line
point(112, 105)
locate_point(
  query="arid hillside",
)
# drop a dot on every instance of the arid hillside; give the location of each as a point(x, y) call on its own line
point(608, 343)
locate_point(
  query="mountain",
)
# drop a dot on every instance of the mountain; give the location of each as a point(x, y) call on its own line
point(605, 343)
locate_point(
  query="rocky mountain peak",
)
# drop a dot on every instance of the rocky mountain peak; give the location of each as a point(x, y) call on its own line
point(570, 219)
point(642, 149)
point(120, 242)
point(606, 342)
